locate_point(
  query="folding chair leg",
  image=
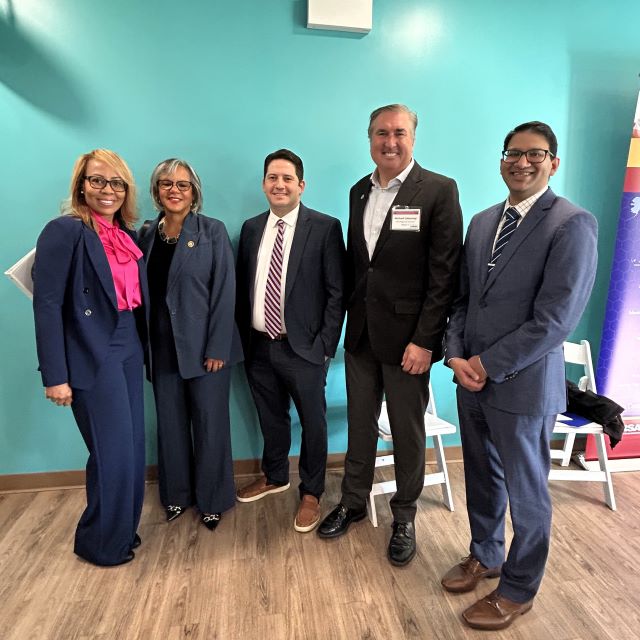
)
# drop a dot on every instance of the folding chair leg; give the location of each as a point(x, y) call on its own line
point(603, 459)
point(442, 467)
point(567, 449)
point(373, 516)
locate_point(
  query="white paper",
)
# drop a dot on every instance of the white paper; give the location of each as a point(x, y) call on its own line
point(20, 273)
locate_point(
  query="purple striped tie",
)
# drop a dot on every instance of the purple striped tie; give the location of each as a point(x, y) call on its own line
point(274, 279)
point(511, 217)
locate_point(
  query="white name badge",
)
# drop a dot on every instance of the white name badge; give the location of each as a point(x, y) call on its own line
point(405, 218)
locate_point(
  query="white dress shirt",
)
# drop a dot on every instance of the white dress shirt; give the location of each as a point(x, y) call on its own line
point(380, 199)
point(522, 208)
point(262, 266)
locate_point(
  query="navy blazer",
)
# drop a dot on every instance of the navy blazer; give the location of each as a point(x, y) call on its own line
point(200, 293)
point(517, 317)
point(404, 292)
point(313, 303)
point(74, 302)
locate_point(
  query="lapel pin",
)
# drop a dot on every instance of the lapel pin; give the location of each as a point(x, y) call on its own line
point(191, 244)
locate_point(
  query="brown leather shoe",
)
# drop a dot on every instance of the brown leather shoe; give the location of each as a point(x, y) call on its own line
point(308, 515)
point(259, 489)
point(466, 575)
point(494, 612)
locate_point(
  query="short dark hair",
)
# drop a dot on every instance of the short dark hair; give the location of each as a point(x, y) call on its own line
point(538, 127)
point(285, 154)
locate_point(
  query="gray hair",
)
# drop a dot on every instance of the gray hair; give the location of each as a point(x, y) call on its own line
point(413, 117)
point(169, 167)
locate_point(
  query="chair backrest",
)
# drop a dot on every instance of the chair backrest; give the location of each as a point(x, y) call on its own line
point(580, 353)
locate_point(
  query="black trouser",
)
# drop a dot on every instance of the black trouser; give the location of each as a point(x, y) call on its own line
point(276, 375)
point(407, 397)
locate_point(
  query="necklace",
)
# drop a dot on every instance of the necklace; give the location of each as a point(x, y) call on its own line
point(163, 236)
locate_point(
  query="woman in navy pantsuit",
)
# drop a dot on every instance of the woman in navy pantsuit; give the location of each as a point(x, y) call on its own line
point(194, 342)
point(89, 290)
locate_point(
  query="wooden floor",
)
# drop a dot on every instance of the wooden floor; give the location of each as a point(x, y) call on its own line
point(256, 578)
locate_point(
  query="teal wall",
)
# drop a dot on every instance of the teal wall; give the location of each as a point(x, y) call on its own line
point(224, 83)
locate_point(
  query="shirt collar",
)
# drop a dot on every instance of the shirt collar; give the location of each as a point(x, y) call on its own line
point(102, 222)
point(289, 219)
point(395, 182)
point(525, 206)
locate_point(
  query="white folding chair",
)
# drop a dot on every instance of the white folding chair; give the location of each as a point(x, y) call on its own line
point(580, 354)
point(435, 428)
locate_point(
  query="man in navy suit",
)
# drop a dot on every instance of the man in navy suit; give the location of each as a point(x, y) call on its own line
point(289, 309)
point(528, 268)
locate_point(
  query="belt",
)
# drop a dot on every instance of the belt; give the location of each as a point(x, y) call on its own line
point(263, 334)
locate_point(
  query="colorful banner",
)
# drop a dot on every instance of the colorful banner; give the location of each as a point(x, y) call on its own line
point(618, 371)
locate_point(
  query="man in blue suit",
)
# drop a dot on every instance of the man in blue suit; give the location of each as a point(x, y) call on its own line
point(290, 311)
point(528, 268)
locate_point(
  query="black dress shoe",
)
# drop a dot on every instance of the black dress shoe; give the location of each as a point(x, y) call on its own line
point(128, 558)
point(210, 520)
point(173, 511)
point(338, 521)
point(402, 546)
point(137, 541)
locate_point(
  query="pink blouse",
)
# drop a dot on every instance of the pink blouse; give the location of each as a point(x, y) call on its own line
point(123, 255)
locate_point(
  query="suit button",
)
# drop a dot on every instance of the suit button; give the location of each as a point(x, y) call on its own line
point(370, 269)
point(87, 312)
point(85, 290)
point(173, 312)
point(482, 304)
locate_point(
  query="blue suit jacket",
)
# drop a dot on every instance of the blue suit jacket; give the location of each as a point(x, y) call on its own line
point(313, 308)
point(74, 302)
point(517, 317)
point(200, 293)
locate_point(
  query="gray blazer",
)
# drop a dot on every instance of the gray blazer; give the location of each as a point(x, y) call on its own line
point(200, 293)
point(517, 317)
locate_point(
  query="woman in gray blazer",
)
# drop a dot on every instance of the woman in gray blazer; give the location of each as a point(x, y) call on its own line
point(193, 344)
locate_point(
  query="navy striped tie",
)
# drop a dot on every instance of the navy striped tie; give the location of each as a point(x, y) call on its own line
point(511, 217)
point(272, 321)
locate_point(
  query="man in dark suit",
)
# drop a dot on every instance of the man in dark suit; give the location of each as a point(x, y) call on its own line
point(290, 312)
point(405, 235)
point(527, 271)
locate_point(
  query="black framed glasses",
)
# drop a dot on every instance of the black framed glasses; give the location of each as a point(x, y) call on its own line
point(183, 185)
point(534, 156)
point(99, 182)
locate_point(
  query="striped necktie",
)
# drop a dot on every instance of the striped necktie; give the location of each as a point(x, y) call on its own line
point(272, 321)
point(511, 217)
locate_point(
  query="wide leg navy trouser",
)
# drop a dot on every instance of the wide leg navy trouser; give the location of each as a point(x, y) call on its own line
point(194, 432)
point(110, 417)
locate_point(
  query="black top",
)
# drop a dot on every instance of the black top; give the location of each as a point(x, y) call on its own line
point(158, 273)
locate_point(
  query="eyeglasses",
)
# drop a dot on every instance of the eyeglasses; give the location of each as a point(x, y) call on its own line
point(534, 156)
point(183, 185)
point(98, 182)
